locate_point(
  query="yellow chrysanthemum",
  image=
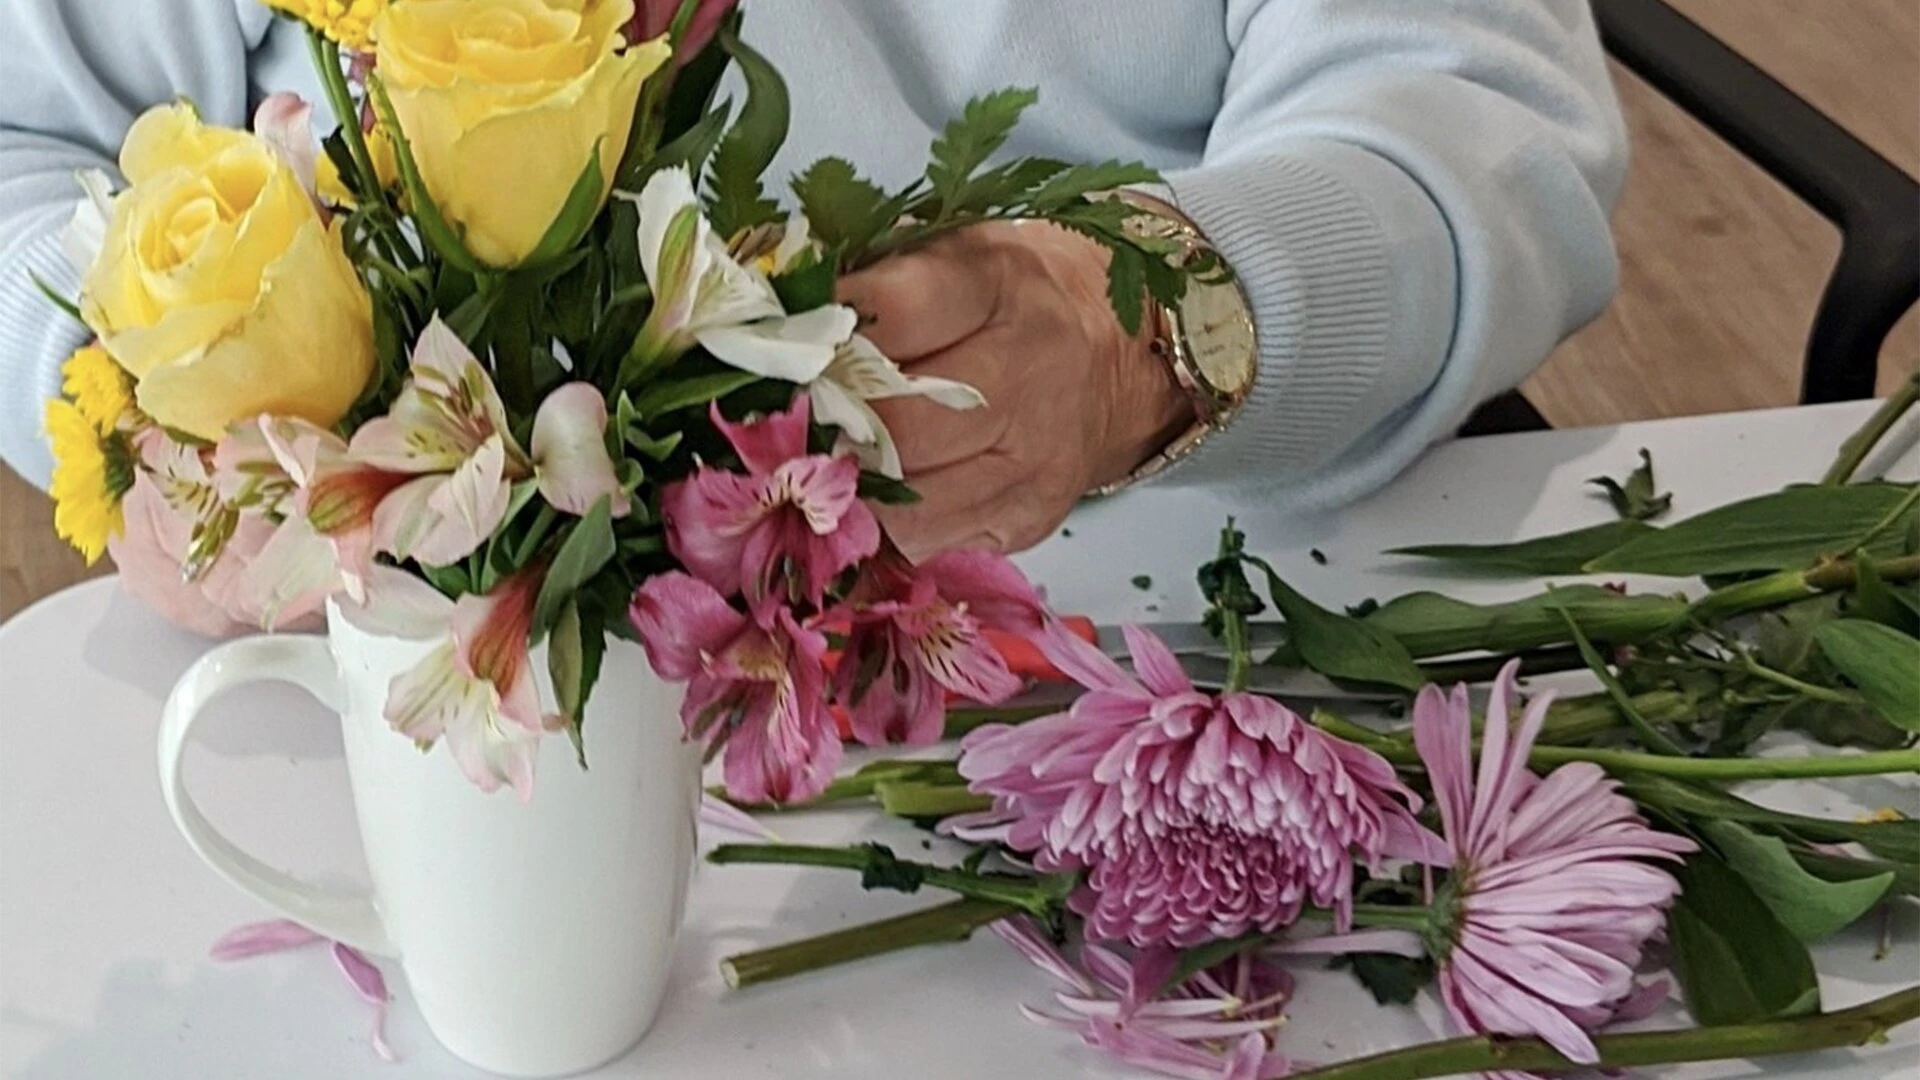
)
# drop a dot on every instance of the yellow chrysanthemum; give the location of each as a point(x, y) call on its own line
point(1883, 816)
point(344, 21)
point(98, 387)
point(91, 472)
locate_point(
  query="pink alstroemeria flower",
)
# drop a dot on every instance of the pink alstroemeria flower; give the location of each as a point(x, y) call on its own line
point(447, 435)
point(1552, 899)
point(793, 516)
point(284, 121)
point(1218, 1025)
point(1195, 817)
point(283, 935)
point(917, 636)
point(476, 690)
point(755, 682)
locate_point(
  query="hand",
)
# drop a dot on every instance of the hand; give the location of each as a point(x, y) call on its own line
point(1019, 311)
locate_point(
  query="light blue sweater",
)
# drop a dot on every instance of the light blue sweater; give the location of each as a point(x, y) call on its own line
point(1414, 192)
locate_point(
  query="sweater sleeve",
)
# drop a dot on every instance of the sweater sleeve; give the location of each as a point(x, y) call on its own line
point(1415, 197)
point(78, 73)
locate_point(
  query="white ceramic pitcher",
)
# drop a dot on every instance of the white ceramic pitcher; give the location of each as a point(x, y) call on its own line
point(537, 937)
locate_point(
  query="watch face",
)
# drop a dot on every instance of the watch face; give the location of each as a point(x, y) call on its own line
point(1219, 332)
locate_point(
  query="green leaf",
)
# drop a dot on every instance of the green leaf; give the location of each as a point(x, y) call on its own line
point(807, 284)
point(1127, 286)
point(844, 210)
point(1429, 624)
point(662, 398)
point(1651, 737)
point(997, 190)
point(564, 664)
point(1341, 646)
point(1561, 553)
point(690, 149)
point(1785, 530)
point(1810, 908)
point(576, 214)
point(1875, 600)
point(1883, 662)
point(72, 309)
point(1083, 180)
point(1735, 961)
point(434, 228)
point(971, 138)
point(1635, 500)
point(1828, 866)
point(885, 490)
point(587, 548)
point(1391, 979)
point(451, 580)
point(1897, 841)
point(738, 199)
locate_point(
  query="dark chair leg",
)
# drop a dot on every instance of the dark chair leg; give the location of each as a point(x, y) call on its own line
point(1504, 415)
point(1874, 282)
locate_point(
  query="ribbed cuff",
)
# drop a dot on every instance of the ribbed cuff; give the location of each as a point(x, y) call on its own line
point(1349, 269)
point(39, 337)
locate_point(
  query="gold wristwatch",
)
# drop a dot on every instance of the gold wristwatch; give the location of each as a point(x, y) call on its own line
point(1207, 340)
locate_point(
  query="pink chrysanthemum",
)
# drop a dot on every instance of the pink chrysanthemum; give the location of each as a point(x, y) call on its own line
point(1551, 900)
point(1218, 1025)
point(1195, 817)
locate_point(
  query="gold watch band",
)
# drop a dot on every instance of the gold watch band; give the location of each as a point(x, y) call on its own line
point(1225, 330)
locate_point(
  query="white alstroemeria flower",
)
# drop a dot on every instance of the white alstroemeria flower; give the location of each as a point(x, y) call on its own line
point(475, 691)
point(859, 374)
point(702, 295)
point(86, 231)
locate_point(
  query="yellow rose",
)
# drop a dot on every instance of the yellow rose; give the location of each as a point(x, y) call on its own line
point(220, 288)
point(503, 102)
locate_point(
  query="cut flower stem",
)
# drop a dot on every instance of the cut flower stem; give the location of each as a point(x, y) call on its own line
point(950, 922)
point(1858, 1026)
point(879, 868)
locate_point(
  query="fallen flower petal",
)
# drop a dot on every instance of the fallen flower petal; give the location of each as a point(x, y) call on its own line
point(262, 938)
point(367, 981)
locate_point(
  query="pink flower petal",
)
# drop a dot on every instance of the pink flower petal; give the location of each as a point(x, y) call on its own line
point(367, 981)
point(262, 938)
point(284, 121)
point(718, 813)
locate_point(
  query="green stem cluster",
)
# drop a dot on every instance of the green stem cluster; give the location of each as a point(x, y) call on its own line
point(955, 921)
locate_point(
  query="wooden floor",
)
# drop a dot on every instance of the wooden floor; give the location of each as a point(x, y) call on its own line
point(1720, 266)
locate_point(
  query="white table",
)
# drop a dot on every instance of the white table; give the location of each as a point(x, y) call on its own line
point(105, 915)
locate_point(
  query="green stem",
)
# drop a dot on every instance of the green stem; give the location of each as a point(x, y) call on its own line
point(1233, 631)
point(963, 720)
point(1787, 586)
point(916, 799)
point(1861, 443)
point(1805, 689)
point(1392, 917)
point(1483, 668)
point(950, 922)
point(333, 82)
point(1858, 1026)
point(1036, 896)
point(1883, 762)
point(866, 783)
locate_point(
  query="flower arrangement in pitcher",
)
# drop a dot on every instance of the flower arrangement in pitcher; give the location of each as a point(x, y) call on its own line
point(527, 330)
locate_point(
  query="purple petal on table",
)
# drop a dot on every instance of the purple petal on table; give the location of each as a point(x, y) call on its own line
point(372, 987)
point(721, 814)
point(261, 938)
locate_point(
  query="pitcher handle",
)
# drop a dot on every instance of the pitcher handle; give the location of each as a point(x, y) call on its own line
point(304, 662)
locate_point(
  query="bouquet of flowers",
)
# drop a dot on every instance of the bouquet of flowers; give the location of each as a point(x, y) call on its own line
point(527, 331)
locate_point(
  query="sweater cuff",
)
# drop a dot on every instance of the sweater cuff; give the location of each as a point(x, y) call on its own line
point(1349, 268)
point(45, 337)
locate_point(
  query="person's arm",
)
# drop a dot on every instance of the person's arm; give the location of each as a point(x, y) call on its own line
point(1415, 196)
point(78, 73)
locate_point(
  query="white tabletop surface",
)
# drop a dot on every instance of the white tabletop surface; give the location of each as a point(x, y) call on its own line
point(105, 915)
